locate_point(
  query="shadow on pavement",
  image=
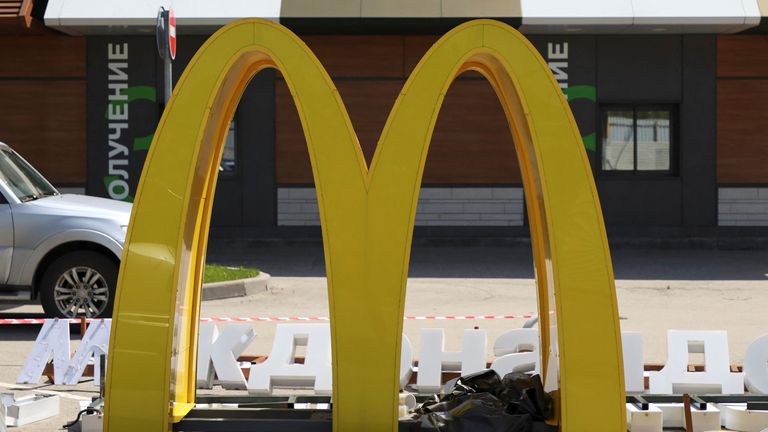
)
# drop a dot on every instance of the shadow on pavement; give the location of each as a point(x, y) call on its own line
point(19, 332)
point(305, 259)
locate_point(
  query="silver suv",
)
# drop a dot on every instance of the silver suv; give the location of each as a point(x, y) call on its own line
point(63, 249)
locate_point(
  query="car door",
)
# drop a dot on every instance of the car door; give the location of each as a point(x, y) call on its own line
point(6, 239)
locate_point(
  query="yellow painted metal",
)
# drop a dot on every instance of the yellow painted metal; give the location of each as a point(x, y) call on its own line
point(367, 223)
point(179, 410)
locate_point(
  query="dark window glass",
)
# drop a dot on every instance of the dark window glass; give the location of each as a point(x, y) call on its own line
point(618, 141)
point(23, 180)
point(653, 140)
point(228, 159)
point(637, 138)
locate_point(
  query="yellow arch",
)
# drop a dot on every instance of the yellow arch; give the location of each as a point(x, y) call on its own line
point(367, 222)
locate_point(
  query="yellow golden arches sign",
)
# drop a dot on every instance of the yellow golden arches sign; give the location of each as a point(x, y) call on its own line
point(367, 218)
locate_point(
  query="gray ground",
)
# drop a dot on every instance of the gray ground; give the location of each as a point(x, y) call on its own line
point(657, 290)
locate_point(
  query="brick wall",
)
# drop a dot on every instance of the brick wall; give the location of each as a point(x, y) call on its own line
point(743, 206)
point(438, 206)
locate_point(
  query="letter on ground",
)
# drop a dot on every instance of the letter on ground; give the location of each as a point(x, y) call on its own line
point(217, 354)
point(281, 369)
point(434, 358)
point(717, 377)
point(53, 340)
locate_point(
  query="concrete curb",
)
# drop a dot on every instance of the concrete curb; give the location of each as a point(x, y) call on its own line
point(235, 288)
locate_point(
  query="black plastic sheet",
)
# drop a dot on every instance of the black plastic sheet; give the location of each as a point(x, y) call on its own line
point(483, 402)
point(524, 394)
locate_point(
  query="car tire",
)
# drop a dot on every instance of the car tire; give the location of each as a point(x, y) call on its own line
point(82, 280)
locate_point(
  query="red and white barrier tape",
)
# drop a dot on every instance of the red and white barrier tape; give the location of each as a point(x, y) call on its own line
point(34, 321)
point(288, 319)
point(417, 318)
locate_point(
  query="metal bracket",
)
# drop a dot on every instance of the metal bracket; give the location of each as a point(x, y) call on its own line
point(28, 409)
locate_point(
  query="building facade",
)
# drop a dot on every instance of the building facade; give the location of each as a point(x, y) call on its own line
point(671, 102)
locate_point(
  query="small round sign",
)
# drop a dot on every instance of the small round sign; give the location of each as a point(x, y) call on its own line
point(172, 34)
point(160, 32)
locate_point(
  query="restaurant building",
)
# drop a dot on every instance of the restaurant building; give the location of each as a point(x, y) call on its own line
point(671, 99)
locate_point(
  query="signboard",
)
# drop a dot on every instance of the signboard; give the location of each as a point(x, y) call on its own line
point(572, 61)
point(516, 350)
point(122, 113)
point(367, 215)
point(172, 34)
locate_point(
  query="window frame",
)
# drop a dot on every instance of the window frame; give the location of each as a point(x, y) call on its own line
point(672, 108)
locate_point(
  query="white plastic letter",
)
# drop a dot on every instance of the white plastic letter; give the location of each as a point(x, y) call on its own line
point(218, 353)
point(52, 339)
point(675, 378)
point(206, 335)
point(517, 351)
point(632, 351)
point(406, 362)
point(756, 366)
point(434, 359)
point(95, 343)
point(281, 368)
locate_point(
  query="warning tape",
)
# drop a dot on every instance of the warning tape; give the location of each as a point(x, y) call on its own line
point(34, 321)
point(287, 319)
point(319, 318)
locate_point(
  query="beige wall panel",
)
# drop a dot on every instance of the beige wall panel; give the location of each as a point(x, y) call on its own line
point(481, 8)
point(401, 8)
point(45, 122)
point(320, 8)
point(763, 5)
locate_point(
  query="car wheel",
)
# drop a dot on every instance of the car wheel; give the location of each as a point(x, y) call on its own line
point(79, 284)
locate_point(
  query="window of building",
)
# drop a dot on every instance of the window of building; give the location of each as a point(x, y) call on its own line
point(229, 158)
point(637, 138)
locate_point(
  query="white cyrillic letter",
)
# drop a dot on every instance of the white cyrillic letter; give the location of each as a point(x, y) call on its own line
point(52, 339)
point(406, 362)
point(95, 343)
point(558, 70)
point(217, 355)
point(632, 351)
point(756, 366)
point(281, 368)
point(517, 351)
point(116, 91)
point(117, 111)
point(118, 172)
point(433, 358)
point(717, 377)
point(117, 51)
point(115, 130)
point(115, 149)
point(557, 51)
point(118, 189)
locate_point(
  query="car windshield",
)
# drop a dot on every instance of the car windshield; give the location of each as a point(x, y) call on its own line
point(26, 183)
